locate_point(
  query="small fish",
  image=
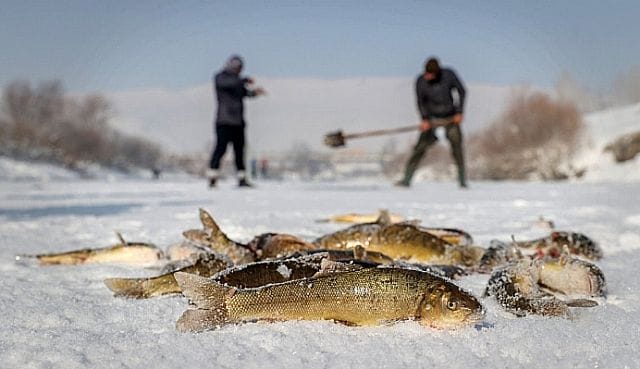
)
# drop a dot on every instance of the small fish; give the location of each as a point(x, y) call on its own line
point(546, 286)
point(402, 241)
point(212, 237)
point(578, 244)
point(126, 253)
point(369, 296)
point(204, 264)
point(362, 218)
point(184, 250)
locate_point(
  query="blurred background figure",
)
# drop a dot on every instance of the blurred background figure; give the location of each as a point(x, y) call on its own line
point(230, 90)
point(440, 97)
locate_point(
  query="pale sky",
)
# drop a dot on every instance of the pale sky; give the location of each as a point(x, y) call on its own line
point(124, 45)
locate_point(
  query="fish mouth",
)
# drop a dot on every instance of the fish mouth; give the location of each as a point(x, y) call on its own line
point(476, 316)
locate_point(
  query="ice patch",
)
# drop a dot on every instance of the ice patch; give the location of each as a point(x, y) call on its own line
point(284, 271)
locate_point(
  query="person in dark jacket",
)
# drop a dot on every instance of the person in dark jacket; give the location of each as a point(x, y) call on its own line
point(440, 97)
point(230, 90)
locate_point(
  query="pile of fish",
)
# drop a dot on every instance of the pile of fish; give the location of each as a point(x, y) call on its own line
point(367, 274)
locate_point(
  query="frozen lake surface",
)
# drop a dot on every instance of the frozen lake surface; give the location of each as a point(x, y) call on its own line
point(64, 316)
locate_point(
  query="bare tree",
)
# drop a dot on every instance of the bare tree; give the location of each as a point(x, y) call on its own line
point(533, 138)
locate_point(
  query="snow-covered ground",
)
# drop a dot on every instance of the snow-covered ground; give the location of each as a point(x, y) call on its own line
point(64, 317)
point(602, 128)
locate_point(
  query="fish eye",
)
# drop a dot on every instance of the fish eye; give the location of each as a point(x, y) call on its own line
point(452, 305)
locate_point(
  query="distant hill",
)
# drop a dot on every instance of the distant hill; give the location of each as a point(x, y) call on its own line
point(294, 111)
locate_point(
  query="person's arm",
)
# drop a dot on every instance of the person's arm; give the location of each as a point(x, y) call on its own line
point(457, 84)
point(420, 101)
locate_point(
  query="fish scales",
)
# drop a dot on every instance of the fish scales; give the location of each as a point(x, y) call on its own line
point(387, 295)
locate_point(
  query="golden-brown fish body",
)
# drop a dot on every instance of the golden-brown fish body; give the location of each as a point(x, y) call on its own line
point(211, 236)
point(135, 254)
point(453, 236)
point(363, 297)
point(204, 265)
point(401, 241)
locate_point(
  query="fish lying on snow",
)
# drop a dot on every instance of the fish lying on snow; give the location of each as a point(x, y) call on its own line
point(546, 287)
point(402, 241)
point(127, 253)
point(552, 245)
point(362, 218)
point(203, 264)
point(363, 297)
point(211, 236)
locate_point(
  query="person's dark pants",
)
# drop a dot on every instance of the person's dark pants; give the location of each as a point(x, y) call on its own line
point(226, 134)
point(426, 140)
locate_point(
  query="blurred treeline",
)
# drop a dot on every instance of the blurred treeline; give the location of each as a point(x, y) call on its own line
point(534, 138)
point(46, 124)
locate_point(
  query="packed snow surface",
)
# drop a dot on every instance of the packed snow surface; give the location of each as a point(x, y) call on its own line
point(65, 317)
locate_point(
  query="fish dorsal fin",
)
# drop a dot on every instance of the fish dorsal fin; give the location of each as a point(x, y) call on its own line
point(212, 228)
point(384, 217)
point(121, 239)
point(207, 220)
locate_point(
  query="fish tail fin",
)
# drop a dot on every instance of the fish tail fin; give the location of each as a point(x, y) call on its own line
point(138, 288)
point(67, 258)
point(209, 298)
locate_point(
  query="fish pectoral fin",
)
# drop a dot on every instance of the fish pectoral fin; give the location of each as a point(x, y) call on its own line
point(345, 322)
point(121, 239)
point(129, 287)
point(583, 303)
point(203, 292)
point(198, 320)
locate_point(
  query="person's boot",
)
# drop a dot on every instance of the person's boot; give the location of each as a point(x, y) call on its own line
point(212, 175)
point(402, 183)
point(242, 182)
point(462, 178)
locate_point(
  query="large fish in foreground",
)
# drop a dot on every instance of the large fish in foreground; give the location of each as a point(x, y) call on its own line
point(204, 264)
point(127, 253)
point(363, 297)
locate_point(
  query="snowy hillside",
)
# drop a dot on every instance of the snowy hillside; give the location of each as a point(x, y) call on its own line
point(293, 111)
point(603, 128)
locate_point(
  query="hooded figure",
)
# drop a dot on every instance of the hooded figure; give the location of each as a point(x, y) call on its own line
point(230, 90)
